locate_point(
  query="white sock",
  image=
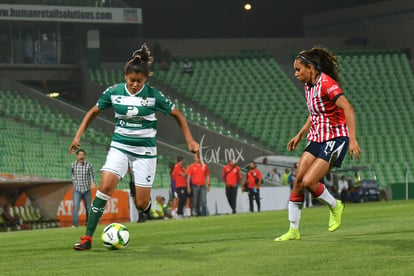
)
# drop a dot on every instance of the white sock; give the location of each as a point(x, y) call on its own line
point(187, 212)
point(327, 198)
point(102, 196)
point(294, 209)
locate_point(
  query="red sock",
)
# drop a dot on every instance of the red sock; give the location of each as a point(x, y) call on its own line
point(319, 190)
point(296, 197)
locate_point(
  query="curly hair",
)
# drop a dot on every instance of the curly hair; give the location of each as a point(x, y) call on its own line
point(323, 61)
point(140, 62)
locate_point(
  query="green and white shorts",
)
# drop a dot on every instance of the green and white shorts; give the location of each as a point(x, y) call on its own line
point(143, 169)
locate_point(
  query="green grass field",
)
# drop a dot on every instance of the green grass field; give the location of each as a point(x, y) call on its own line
point(375, 239)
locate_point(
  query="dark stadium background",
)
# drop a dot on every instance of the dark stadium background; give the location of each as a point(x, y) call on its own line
point(227, 19)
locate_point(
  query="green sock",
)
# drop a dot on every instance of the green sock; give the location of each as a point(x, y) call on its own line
point(97, 209)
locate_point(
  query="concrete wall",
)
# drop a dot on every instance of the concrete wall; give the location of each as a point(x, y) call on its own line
point(36, 72)
point(282, 49)
point(272, 198)
point(384, 24)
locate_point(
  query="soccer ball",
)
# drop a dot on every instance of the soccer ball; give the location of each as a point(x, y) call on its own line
point(115, 236)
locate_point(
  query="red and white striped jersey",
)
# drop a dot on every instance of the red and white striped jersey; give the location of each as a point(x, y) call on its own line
point(328, 120)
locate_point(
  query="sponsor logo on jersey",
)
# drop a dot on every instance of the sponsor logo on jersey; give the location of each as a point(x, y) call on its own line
point(332, 88)
point(122, 123)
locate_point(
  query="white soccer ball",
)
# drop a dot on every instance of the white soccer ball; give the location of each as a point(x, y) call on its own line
point(115, 236)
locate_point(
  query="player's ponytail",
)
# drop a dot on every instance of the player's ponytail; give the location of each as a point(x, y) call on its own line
point(322, 60)
point(140, 62)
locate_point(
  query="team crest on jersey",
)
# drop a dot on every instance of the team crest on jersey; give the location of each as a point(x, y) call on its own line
point(132, 111)
point(144, 101)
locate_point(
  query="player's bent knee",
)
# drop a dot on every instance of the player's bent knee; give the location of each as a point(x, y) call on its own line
point(106, 190)
point(298, 187)
point(143, 198)
point(142, 204)
point(298, 190)
point(308, 183)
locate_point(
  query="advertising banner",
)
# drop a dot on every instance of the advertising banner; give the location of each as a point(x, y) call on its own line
point(116, 210)
point(70, 14)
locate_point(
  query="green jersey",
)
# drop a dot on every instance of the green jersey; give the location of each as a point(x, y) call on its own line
point(135, 120)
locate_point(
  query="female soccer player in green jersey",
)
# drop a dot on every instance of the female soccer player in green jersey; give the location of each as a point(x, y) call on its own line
point(133, 142)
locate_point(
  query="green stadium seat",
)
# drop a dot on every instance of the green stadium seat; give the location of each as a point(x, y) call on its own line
point(378, 82)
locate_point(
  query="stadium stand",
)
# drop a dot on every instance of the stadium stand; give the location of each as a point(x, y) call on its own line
point(379, 85)
point(29, 217)
point(224, 85)
point(377, 82)
point(109, 77)
point(34, 140)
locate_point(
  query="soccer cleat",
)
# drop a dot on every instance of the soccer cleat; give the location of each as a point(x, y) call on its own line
point(142, 217)
point(335, 216)
point(84, 244)
point(292, 234)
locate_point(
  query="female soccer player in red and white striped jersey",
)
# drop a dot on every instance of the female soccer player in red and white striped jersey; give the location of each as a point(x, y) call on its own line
point(331, 130)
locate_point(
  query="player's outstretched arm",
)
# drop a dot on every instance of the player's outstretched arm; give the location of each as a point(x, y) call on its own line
point(293, 143)
point(354, 149)
point(193, 146)
point(87, 120)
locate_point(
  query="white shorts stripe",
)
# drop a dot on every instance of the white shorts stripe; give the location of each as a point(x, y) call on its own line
point(151, 151)
point(337, 152)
